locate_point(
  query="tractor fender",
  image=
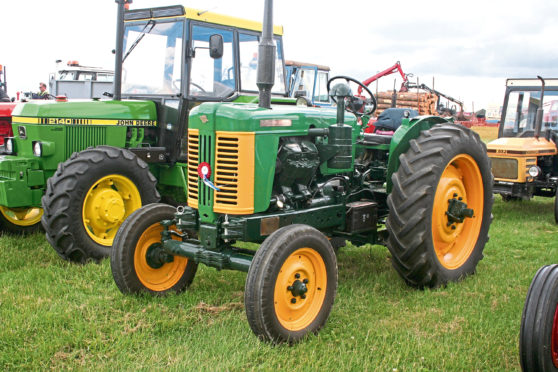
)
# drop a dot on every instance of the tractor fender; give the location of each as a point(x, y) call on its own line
point(400, 143)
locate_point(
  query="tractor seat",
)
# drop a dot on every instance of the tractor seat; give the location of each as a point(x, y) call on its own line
point(375, 139)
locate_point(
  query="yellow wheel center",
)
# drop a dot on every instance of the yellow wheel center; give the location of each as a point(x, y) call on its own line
point(22, 216)
point(454, 241)
point(107, 204)
point(300, 289)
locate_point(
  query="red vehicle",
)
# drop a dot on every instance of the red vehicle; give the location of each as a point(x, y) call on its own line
point(5, 110)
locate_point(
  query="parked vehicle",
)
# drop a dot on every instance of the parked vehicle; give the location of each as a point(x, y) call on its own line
point(290, 178)
point(525, 155)
point(90, 164)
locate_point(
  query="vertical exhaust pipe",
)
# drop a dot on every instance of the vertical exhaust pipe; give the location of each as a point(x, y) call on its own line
point(266, 58)
point(540, 111)
point(118, 51)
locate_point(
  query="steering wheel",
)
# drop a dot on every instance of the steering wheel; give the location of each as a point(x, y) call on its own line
point(197, 86)
point(358, 105)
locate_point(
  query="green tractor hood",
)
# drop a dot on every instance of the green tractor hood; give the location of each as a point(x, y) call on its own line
point(86, 109)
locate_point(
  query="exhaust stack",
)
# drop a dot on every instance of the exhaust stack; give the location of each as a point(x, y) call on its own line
point(266, 58)
point(540, 111)
point(118, 51)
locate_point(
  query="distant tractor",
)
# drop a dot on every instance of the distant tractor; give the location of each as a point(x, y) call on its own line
point(90, 164)
point(525, 155)
point(307, 82)
point(292, 178)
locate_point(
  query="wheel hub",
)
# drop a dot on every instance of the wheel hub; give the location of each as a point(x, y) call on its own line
point(111, 206)
point(457, 210)
point(156, 256)
point(298, 288)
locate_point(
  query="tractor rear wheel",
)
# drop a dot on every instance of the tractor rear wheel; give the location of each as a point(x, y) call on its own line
point(20, 220)
point(89, 197)
point(291, 284)
point(538, 336)
point(440, 206)
point(137, 241)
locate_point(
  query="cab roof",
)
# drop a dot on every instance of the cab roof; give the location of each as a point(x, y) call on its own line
point(195, 14)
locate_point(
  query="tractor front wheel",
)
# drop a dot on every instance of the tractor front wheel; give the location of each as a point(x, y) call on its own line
point(291, 284)
point(538, 336)
point(20, 220)
point(440, 206)
point(138, 261)
point(89, 197)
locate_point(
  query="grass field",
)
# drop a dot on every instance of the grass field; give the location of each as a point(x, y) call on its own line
point(56, 315)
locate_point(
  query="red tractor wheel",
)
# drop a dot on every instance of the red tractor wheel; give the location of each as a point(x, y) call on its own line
point(538, 337)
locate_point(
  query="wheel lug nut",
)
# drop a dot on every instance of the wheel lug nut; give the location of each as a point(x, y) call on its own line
point(290, 288)
point(453, 227)
point(297, 275)
point(460, 198)
point(454, 195)
point(303, 296)
point(293, 300)
point(305, 281)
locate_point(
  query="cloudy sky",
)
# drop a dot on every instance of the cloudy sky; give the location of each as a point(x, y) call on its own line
point(466, 49)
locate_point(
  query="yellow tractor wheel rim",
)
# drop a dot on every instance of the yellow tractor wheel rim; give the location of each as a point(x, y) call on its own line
point(454, 243)
point(22, 216)
point(164, 277)
point(106, 205)
point(294, 312)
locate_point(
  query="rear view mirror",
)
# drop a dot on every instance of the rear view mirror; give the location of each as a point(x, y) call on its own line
point(216, 46)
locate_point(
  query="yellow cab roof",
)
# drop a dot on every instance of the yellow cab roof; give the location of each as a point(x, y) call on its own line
point(211, 17)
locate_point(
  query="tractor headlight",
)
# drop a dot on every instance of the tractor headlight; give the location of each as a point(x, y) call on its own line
point(9, 146)
point(43, 148)
point(37, 149)
point(534, 171)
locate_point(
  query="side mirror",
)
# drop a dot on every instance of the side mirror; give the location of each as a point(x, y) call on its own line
point(216, 46)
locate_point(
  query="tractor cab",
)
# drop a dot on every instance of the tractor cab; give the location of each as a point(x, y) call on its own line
point(181, 57)
point(525, 156)
point(307, 83)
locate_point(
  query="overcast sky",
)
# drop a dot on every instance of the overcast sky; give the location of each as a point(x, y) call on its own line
point(467, 48)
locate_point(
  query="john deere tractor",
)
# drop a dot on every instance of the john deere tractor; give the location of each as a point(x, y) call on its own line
point(105, 158)
point(525, 155)
point(299, 180)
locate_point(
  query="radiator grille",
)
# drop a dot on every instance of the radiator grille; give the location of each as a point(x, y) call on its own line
point(226, 169)
point(79, 138)
point(504, 168)
point(200, 150)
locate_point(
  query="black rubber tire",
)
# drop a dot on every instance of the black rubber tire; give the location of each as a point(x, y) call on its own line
point(125, 245)
point(411, 204)
point(7, 226)
point(537, 321)
point(66, 191)
point(263, 273)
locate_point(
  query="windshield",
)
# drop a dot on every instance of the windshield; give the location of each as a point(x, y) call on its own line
point(154, 65)
point(248, 51)
point(519, 118)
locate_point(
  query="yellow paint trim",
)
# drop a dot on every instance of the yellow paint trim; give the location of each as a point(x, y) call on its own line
point(82, 121)
point(234, 150)
point(192, 174)
point(220, 19)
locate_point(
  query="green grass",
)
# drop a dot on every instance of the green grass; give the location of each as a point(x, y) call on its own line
point(56, 315)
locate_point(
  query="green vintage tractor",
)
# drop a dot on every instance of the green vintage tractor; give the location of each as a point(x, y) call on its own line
point(299, 181)
point(103, 159)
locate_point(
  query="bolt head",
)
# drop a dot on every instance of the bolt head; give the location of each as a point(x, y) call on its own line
point(293, 300)
point(303, 296)
point(305, 281)
point(297, 275)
